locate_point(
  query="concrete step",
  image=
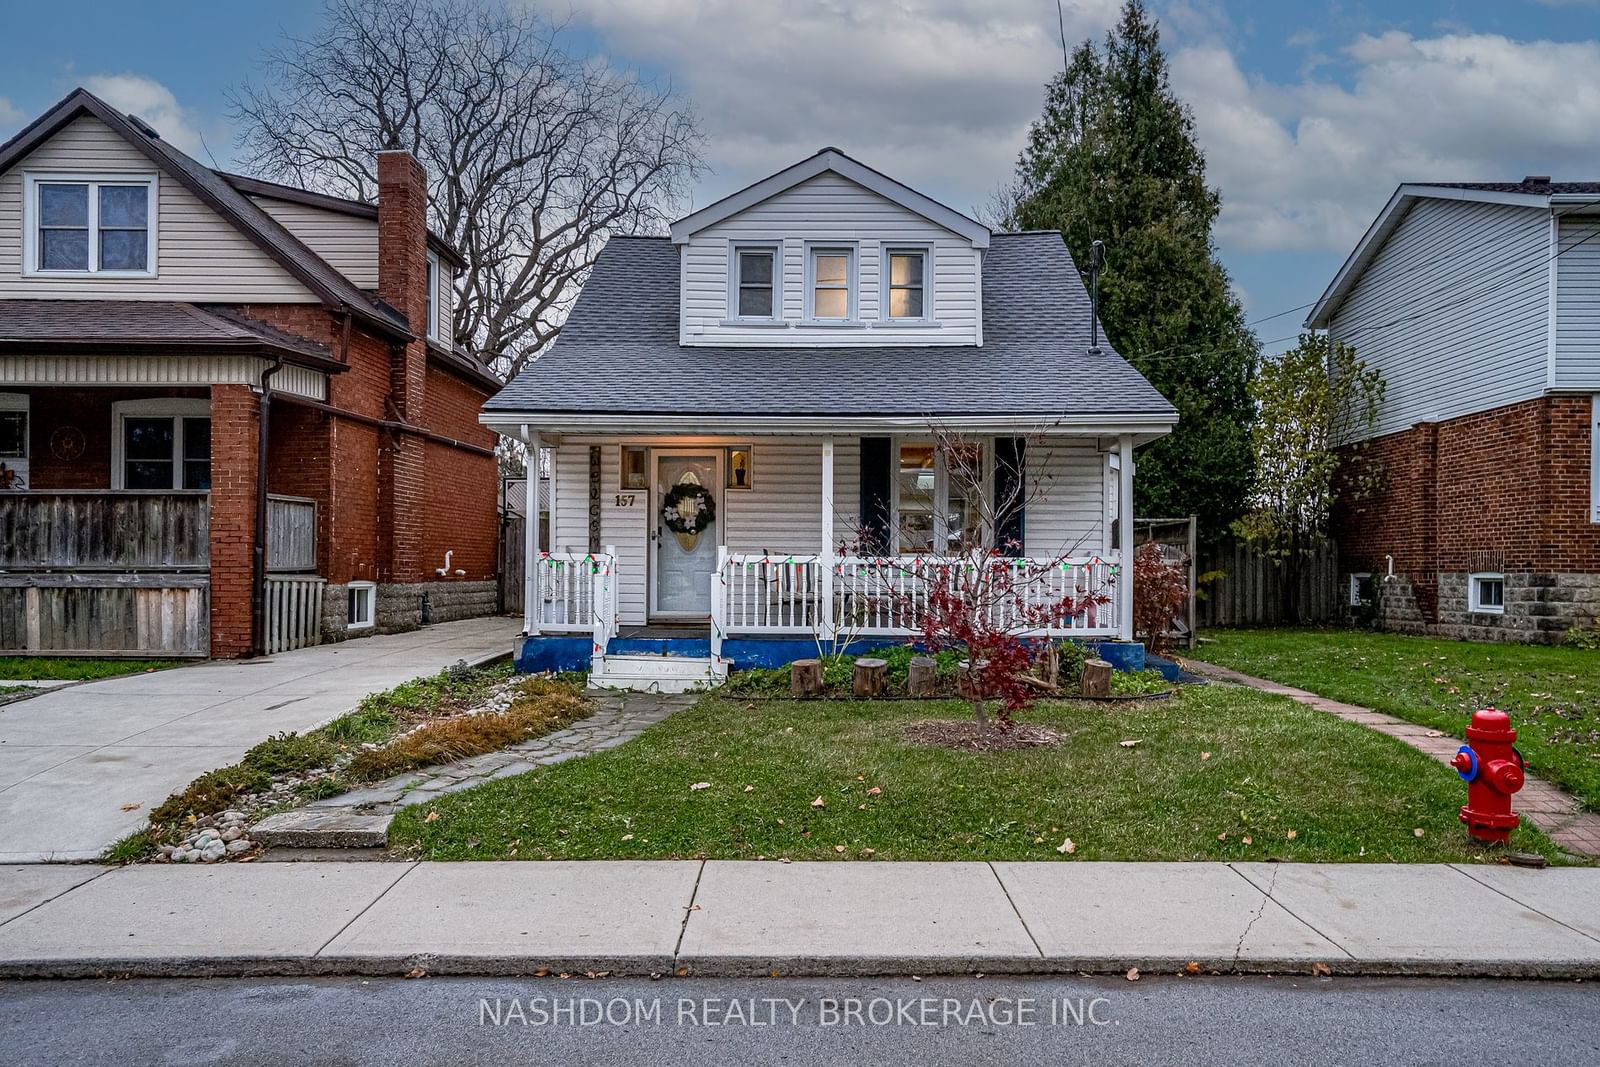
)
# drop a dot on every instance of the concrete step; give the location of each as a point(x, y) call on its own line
point(652, 674)
point(322, 828)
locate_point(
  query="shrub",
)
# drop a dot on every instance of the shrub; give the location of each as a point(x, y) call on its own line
point(290, 753)
point(1584, 637)
point(1070, 656)
point(1160, 595)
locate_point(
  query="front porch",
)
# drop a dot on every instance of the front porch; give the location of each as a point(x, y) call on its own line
point(819, 542)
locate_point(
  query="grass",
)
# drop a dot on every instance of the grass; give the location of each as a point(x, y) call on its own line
point(1218, 773)
point(1552, 694)
point(51, 668)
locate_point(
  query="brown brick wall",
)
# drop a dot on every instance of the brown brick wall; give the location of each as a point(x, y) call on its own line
point(234, 422)
point(89, 411)
point(1504, 490)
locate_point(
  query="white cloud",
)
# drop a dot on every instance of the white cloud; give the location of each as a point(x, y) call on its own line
point(152, 102)
point(1307, 165)
point(937, 93)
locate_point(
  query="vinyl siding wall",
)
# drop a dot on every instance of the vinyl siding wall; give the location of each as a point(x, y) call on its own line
point(782, 511)
point(1578, 305)
point(199, 256)
point(1424, 315)
point(829, 208)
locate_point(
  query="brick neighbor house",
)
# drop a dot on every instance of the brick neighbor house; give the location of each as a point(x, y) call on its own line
point(231, 415)
point(1480, 304)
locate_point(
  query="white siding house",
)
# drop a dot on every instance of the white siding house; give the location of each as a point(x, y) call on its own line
point(813, 359)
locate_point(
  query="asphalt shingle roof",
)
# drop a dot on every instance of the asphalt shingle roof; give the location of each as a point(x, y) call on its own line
point(156, 324)
point(619, 354)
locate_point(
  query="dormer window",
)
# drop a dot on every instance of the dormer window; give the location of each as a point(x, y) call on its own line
point(754, 293)
point(831, 284)
point(907, 283)
point(90, 225)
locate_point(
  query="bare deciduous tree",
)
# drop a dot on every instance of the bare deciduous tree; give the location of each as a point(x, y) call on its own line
point(534, 155)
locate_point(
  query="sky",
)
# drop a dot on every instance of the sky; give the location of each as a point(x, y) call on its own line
point(1309, 113)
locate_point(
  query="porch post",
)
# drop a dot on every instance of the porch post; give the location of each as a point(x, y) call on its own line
point(1125, 536)
point(825, 558)
point(235, 467)
point(532, 571)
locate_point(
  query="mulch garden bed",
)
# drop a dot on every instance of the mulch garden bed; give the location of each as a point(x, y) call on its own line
point(980, 737)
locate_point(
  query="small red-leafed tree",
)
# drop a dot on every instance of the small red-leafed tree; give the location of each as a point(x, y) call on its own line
point(1160, 596)
point(965, 584)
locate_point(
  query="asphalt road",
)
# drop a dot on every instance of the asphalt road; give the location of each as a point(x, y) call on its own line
point(1160, 1019)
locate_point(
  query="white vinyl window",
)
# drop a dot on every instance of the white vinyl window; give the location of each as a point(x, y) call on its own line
point(1486, 593)
point(77, 224)
point(755, 291)
point(13, 441)
point(162, 443)
point(360, 605)
point(831, 284)
point(906, 284)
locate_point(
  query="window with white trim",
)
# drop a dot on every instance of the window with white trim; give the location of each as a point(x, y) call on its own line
point(1486, 593)
point(361, 600)
point(90, 225)
point(433, 296)
point(13, 441)
point(163, 443)
point(754, 292)
point(938, 496)
point(906, 283)
point(831, 284)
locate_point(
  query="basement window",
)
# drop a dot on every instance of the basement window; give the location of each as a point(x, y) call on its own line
point(361, 600)
point(1486, 594)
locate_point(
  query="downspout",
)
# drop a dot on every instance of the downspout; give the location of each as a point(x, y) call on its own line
point(258, 554)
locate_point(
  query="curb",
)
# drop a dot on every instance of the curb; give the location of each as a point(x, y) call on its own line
point(659, 965)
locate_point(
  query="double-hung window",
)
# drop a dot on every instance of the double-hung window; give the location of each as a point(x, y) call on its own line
point(161, 444)
point(906, 283)
point(831, 284)
point(754, 293)
point(90, 225)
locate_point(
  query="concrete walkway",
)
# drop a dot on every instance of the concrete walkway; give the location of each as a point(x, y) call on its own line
point(1560, 815)
point(760, 918)
point(82, 766)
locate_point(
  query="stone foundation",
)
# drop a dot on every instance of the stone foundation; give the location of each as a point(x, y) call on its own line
point(407, 606)
point(1539, 608)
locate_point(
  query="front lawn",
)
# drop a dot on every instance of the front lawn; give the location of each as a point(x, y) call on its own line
point(1551, 694)
point(1217, 773)
point(51, 668)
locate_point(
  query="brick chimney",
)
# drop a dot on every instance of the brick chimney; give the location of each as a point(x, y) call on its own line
point(403, 265)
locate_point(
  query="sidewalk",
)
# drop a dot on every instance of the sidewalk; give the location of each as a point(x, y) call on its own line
point(83, 765)
point(760, 918)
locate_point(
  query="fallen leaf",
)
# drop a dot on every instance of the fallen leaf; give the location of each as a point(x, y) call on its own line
point(838, 848)
point(916, 978)
point(541, 972)
point(627, 837)
point(749, 789)
point(861, 777)
point(1321, 970)
point(416, 972)
point(1292, 834)
point(786, 859)
point(432, 816)
point(1416, 831)
point(819, 802)
point(1205, 755)
point(1130, 744)
point(1191, 967)
point(1067, 847)
point(1222, 836)
point(1249, 840)
point(1435, 733)
point(861, 807)
point(749, 707)
point(699, 785)
point(874, 791)
point(869, 852)
point(1133, 974)
point(131, 807)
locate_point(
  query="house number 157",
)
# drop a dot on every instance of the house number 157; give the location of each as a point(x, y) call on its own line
point(625, 500)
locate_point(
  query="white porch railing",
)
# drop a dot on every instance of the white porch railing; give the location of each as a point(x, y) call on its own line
point(578, 594)
point(873, 596)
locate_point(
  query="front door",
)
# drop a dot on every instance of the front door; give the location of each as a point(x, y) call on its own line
point(685, 539)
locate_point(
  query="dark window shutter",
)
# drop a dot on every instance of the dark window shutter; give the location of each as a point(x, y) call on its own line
point(876, 485)
point(1010, 496)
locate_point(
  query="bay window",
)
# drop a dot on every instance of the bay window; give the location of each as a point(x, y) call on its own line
point(84, 225)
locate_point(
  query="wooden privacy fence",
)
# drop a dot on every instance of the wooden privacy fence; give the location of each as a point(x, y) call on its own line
point(1249, 591)
point(291, 533)
point(513, 563)
point(105, 614)
point(293, 611)
point(105, 531)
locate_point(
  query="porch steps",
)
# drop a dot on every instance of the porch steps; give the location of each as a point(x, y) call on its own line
point(652, 673)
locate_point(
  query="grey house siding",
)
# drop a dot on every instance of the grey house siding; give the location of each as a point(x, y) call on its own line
point(1578, 305)
point(1454, 311)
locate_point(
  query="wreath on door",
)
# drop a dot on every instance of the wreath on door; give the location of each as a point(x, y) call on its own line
point(688, 508)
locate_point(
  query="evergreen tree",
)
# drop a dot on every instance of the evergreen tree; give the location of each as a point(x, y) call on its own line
point(1113, 158)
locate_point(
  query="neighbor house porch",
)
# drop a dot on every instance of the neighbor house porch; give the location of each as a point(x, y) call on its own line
point(826, 537)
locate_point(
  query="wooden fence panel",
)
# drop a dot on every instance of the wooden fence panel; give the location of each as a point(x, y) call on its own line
point(1250, 589)
point(105, 615)
point(105, 531)
point(513, 563)
point(293, 611)
point(291, 533)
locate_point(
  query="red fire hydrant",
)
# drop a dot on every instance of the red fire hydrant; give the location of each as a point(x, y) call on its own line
point(1492, 768)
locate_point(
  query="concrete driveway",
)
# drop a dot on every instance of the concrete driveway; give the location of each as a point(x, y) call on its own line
point(72, 760)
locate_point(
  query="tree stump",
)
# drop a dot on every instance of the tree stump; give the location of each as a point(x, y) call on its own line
point(922, 679)
point(1096, 678)
point(805, 678)
point(869, 678)
point(1050, 664)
